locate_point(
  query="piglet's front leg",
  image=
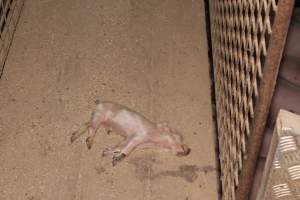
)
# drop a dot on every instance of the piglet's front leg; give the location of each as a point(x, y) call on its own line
point(117, 154)
point(111, 151)
point(124, 149)
point(91, 137)
point(80, 132)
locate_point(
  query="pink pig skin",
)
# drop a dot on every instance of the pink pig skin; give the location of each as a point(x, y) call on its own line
point(138, 131)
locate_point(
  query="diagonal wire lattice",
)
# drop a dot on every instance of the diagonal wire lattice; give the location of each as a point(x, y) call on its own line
point(9, 15)
point(240, 32)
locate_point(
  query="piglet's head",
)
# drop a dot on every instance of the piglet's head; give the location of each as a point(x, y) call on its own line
point(172, 139)
point(178, 146)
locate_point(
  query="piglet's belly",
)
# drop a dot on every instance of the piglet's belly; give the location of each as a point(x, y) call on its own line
point(128, 123)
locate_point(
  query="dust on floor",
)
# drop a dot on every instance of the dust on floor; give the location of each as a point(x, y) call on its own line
point(148, 55)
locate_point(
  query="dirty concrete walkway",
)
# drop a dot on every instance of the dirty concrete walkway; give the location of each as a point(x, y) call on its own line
point(148, 55)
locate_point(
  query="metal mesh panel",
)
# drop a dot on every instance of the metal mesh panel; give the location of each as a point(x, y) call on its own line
point(240, 32)
point(9, 15)
point(281, 178)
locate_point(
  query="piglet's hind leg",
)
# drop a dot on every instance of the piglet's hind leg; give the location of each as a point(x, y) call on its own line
point(110, 151)
point(94, 125)
point(78, 133)
point(90, 139)
point(127, 149)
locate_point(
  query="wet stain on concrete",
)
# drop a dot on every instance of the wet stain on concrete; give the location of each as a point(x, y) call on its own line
point(29, 197)
point(144, 166)
point(46, 147)
point(188, 172)
point(100, 170)
point(144, 170)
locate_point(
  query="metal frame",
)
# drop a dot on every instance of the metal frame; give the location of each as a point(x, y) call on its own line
point(248, 38)
point(266, 89)
point(9, 16)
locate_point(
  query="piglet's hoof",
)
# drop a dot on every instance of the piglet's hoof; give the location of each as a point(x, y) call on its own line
point(74, 136)
point(118, 158)
point(110, 151)
point(106, 152)
point(89, 142)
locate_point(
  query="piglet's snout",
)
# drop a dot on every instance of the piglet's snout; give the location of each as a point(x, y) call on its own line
point(185, 151)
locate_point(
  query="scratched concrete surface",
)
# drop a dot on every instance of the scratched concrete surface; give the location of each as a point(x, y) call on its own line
point(148, 55)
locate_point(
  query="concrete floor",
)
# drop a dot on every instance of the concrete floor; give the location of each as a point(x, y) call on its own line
point(148, 55)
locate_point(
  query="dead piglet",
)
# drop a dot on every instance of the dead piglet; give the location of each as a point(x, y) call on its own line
point(138, 131)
